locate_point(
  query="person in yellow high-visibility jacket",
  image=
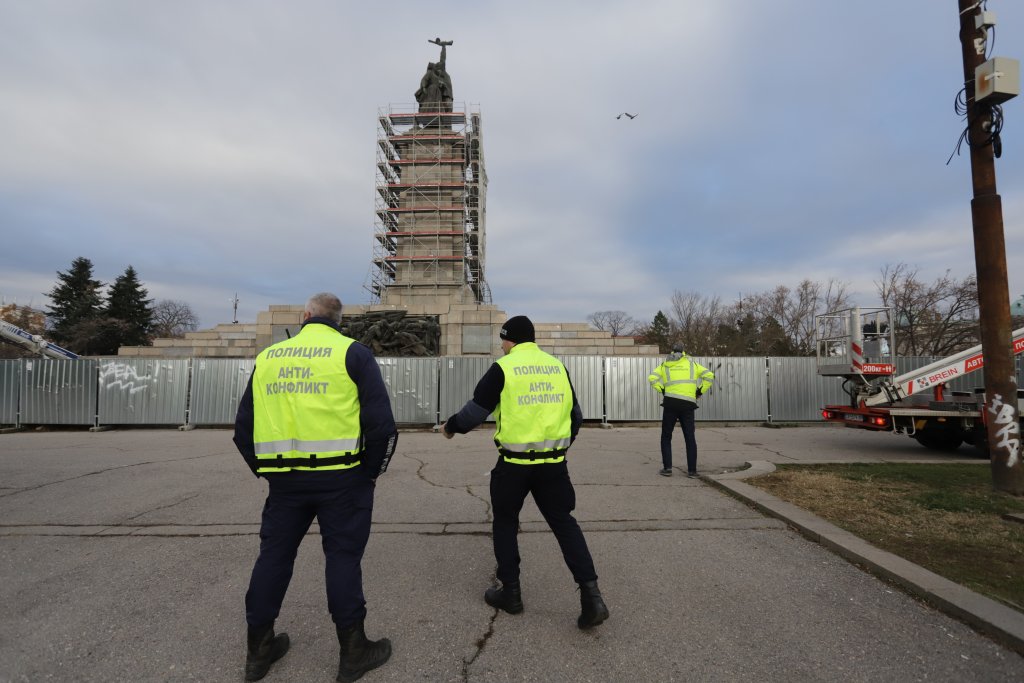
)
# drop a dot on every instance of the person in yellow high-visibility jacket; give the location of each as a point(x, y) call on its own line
point(538, 417)
point(682, 381)
point(315, 421)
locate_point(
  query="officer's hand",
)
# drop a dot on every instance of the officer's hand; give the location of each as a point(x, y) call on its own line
point(699, 392)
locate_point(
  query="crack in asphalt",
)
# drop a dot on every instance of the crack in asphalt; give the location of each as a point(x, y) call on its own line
point(114, 526)
point(486, 502)
point(139, 531)
point(481, 642)
point(104, 471)
point(164, 507)
point(468, 488)
point(419, 472)
point(725, 436)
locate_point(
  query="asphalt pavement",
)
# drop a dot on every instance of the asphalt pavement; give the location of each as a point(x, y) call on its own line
point(125, 556)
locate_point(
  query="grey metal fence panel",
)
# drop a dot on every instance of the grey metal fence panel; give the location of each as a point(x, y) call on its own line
point(10, 384)
point(586, 373)
point(217, 386)
point(458, 377)
point(628, 395)
point(796, 392)
point(58, 391)
point(412, 386)
point(142, 391)
point(739, 392)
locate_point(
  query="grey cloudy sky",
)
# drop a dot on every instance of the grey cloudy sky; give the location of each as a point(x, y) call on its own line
point(221, 146)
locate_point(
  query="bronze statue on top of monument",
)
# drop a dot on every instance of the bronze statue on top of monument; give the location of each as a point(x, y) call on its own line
point(435, 91)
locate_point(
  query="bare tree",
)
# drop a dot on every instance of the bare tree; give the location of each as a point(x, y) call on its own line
point(173, 319)
point(930, 319)
point(793, 310)
point(696, 319)
point(617, 323)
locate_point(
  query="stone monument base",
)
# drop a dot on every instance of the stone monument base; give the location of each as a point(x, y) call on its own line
point(466, 330)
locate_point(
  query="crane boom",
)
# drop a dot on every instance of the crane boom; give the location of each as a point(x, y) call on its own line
point(951, 367)
point(34, 342)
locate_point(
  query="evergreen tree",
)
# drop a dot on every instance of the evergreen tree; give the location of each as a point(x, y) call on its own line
point(127, 303)
point(659, 332)
point(75, 299)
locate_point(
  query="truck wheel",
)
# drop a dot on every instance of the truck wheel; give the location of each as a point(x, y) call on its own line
point(979, 441)
point(939, 439)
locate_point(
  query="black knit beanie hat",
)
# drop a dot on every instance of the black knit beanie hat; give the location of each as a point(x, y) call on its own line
point(517, 330)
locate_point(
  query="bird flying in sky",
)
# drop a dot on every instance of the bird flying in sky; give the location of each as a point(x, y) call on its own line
point(626, 113)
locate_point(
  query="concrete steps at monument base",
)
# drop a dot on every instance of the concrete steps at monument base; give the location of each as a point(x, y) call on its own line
point(245, 340)
point(580, 339)
point(226, 340)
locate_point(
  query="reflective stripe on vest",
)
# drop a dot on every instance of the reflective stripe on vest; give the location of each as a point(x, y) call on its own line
point(547, 445)
point(533, 461)
point(306, 407)
point(686, 379)
point(344, 445)
point(533, 417)
point(669, 381)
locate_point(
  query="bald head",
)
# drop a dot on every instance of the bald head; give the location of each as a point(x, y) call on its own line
point(324, 305)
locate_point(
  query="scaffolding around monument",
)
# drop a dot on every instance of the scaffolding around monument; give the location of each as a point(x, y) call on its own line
point(430, 207)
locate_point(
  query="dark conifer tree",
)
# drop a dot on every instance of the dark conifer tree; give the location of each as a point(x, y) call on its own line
point(74, 300)
point(659, 332)
point(127, 303)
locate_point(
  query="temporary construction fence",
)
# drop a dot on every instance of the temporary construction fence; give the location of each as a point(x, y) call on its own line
point(186, 392)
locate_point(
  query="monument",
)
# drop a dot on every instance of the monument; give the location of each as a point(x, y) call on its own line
point(435, 92)
point(430, 209)
point(428, 293)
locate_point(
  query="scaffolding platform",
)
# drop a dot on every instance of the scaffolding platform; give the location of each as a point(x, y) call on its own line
point(430, 205)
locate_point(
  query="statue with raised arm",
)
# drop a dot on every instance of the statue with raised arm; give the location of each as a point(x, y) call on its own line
point(435, 92)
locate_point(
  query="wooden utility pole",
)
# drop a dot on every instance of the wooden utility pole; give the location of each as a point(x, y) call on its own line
point(1002, 415)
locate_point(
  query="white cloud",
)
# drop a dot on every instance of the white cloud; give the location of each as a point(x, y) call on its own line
point(220, 150)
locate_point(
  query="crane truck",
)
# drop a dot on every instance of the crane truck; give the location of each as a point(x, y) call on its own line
point(858, 345)
point(33, 342)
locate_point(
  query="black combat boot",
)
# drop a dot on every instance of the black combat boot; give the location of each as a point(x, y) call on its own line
point(264, 649)
point(594, 611)
point(359, 655)
point(508, 597)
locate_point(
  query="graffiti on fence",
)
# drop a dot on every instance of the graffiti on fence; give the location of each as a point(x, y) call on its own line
point(126, 378)
point(730, 382)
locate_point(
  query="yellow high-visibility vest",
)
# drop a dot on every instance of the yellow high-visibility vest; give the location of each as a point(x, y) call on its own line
point(534, 414)
point(305, 406)
point(681, 378)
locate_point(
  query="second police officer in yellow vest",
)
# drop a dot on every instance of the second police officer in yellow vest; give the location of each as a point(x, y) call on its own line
point(682, 381)
point(538, 417)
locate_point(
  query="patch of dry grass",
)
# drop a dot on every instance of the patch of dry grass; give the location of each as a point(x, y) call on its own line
point(944, 517)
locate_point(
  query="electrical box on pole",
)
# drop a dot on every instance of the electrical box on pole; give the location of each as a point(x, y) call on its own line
point(997, 80)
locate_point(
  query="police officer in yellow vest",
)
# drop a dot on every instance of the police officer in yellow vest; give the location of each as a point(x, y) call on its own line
point(538, 417)
point(316, 423)
point(682, 381)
